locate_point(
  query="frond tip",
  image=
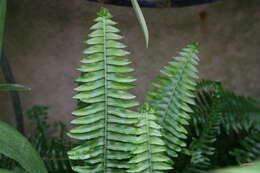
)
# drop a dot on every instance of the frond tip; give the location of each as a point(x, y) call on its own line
point(104, 13)
point(149, 155)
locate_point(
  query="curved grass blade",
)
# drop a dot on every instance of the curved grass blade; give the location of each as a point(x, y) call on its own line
point(141, 20)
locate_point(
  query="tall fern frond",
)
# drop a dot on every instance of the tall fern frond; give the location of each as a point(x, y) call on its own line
point(149, 155)
point(106, 125)
point(172, 98)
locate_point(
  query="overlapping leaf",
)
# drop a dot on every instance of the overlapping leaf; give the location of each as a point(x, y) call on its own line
point(149, 155)
point(106, 124)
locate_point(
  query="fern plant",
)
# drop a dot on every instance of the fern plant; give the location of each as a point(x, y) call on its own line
point(185, 118)
point(172, 98)
point(149, 155)
point(106, 125)
point(110, 131)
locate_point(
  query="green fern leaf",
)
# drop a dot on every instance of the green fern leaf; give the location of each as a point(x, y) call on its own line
point(202, 147)
point(205, 121)
point(249, 149)
point(149, 155)
point(106, 125)
point(172, 98)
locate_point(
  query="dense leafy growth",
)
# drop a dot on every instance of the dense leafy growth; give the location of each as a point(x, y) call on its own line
point(221, 132)
point(202, 123)
point(49, 141)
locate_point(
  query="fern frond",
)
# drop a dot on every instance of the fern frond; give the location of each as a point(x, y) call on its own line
point(205, 122)
point(207, 94)
point(203, 146)
point(239, 112)
point(172, 98)
point(106, 124)
point(249, 149)
point(149, 155)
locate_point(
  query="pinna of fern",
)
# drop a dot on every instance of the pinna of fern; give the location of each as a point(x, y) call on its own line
point(174, 95)
point(149, 155)
point(106, 125)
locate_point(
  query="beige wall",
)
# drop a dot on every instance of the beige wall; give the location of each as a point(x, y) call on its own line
point(44, 41)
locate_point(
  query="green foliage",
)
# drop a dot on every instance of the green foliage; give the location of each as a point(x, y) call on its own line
point(105, 125)
point(172, 98)
point(17, 147)
point(249, 148)
point(222, 130)
point(201, 145)
point(149, 155)
point(115, 138)
point(49, 140)
point(13, 87)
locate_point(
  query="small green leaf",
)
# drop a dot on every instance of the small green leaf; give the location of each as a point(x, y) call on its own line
point(13, 87)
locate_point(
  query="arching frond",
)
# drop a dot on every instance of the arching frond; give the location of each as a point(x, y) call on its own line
point(172, 98)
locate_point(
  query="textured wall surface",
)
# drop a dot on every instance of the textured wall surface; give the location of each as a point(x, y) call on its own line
point(44, 44)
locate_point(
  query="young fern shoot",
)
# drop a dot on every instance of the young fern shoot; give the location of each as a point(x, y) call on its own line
point(149, 155)
point(172, 98)
point(105, 125)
